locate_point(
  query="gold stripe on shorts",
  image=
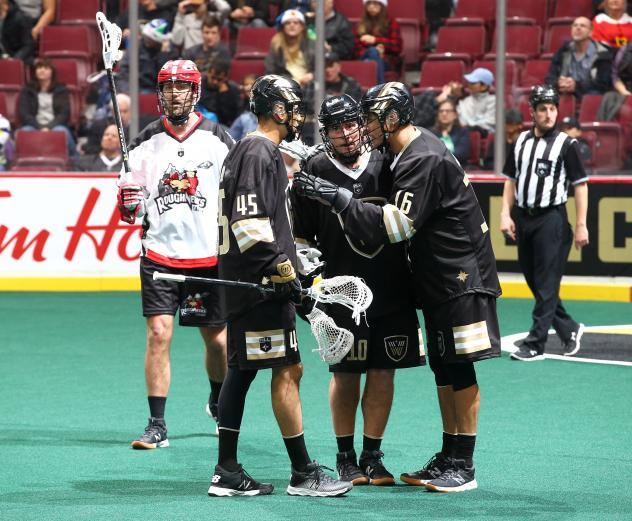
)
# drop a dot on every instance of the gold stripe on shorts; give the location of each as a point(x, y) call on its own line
point(262, 345)
point(471, 338)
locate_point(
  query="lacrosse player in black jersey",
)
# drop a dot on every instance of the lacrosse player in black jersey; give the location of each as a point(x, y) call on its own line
point(257, 245)
point(391, 338)
point(431, 207)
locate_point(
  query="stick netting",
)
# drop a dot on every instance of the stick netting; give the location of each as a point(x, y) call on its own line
point(350, 292)
point(333, 342)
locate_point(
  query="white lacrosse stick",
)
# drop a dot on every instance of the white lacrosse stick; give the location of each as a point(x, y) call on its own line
point(299, 150)
point(333, 342)
point(350, 292)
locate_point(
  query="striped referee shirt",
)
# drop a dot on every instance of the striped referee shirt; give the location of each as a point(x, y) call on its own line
point(543, 168)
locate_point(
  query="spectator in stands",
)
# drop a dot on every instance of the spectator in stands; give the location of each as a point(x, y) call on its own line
point(291, 52)
point(219, 95)
point(613, 27)
point(478, 110)
point(448, 130)
point(210, 47)
point(154, 51)
point(40, 12)
point(622, 82)
point(187, 25)
point(44, 104)
point(247, 13)
point(513, 128)
point(378, 38)
point(104, 118)
point(338, 31)
point(6, 143)
point(336, 83)
point(246, 122)
point(571, 126)
point(582, 65)
point(108, 159)
point(148, 10)
point(598, 6)
point(427, 103)
point(15, 33)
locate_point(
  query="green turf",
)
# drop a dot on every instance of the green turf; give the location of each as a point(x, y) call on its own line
point(553, 436)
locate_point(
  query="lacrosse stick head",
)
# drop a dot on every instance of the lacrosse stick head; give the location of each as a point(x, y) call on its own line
point(350, 292)
point(333, 342)
point(111, 36)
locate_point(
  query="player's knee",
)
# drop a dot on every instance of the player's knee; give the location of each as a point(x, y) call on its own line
point(462, 375)
point(158, 334)
point(442, 378)
point(214, 339)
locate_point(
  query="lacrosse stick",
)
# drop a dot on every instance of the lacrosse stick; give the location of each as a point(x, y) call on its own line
point(333, 342)
point(111, 37)
point(350, 292)
point(299, 150)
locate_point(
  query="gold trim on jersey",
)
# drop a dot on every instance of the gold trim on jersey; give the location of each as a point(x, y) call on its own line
point(471, 338)
point(249, 232)
point(398, 226)
point(261, 345)
point(484, 227)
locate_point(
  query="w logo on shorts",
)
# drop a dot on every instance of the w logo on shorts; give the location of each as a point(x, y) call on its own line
point(396, 347)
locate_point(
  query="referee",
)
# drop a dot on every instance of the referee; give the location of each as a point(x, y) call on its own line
point(539, 170)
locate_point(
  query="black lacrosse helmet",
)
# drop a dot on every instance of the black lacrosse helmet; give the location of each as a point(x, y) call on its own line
point(282, 99)
point(335, 111)
point(543, 94)
point(385, 99)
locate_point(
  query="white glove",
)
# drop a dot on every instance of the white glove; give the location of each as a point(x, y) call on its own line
point(308, 260)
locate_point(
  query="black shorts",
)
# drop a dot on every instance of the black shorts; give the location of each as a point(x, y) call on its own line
point(263, 338)
point(464, 329)
point(389, 342)
point(200, 305)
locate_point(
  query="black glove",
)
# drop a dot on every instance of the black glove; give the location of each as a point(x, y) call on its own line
point(291, 290)
point(325, 192)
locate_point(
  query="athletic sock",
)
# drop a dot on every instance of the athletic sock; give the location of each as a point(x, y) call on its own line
point(371, 444)
point(227, 458)
point(465, 448)
point(345, 443)
point(157, 406)
point(216, 388)
point(297, 452)
point(449, 444)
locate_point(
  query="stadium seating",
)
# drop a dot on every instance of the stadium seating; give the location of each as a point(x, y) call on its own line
point(475, 149)
point(568, 107)
point(588, 107)
point(474, 12)
point(3, 106)
point(253, 42)
point(70, 41)
point(67, 74)
point(554, 37)
point(364, 72)
point(512, 72)
point(241, 68)
point(534, 73)
point(572, 8)
point(12, 77)
point(352, 10)
point(464, 43)
point(527, 11)
point(523, 42)
point(78, 12)
point(38, 150)
point(411, 17)
point(148, 105)
point(606, 142)
point(437, 73)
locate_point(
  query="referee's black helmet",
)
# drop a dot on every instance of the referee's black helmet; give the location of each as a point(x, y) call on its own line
point(543, 94)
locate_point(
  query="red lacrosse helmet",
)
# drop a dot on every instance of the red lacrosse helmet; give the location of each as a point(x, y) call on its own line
point(179, 71)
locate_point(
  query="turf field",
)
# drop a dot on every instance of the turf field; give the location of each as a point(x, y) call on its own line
point(554, 437)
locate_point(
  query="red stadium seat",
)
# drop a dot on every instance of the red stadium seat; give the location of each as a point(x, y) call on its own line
point(351, 9)
point(527, 11)
point(363, 71)
point(572, 8)
point(148, 104)
point(3, 105)
point(534, 73)
point(70, 41)
point(469, 12)
point(436, 74)
point(523, 42)
point(253, 42)
point(465, 43)
point(67, 73)
point(78, 12)
point(241, 68)
point(12, 78)
point(405, 9)
point(475, 149)
point(606, 142)
point(554, 37)
point(512, 76)
point(40, 150)
point(589, 107)
point(411, 40)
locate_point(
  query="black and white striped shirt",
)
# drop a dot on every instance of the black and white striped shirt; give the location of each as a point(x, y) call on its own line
point(543, 168)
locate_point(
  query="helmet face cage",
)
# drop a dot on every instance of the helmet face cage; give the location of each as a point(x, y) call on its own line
point(282, 99)
point(181, 80)
point(341, 115)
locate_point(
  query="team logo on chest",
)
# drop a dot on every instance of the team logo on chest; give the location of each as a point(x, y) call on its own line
point(180, 186)
point(357, 188)
point(396, 347)
point(543, 167)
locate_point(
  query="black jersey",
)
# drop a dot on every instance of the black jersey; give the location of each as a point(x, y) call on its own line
point(384, 268)
point(255, 233)
point(432, 205)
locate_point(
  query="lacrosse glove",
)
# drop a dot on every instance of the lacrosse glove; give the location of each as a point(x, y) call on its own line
point(325, 192)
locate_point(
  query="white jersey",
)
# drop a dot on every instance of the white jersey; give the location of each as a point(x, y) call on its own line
point(180, 178)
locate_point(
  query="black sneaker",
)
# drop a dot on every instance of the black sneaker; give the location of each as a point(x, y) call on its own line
point(371, 464)
point(238, 483)
point(314, 482)
point(573, 344)
point(211, 410)
point(348, 470)
point(155, 435)
point(436, 466)
point(526, 354)
point(458, 478)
